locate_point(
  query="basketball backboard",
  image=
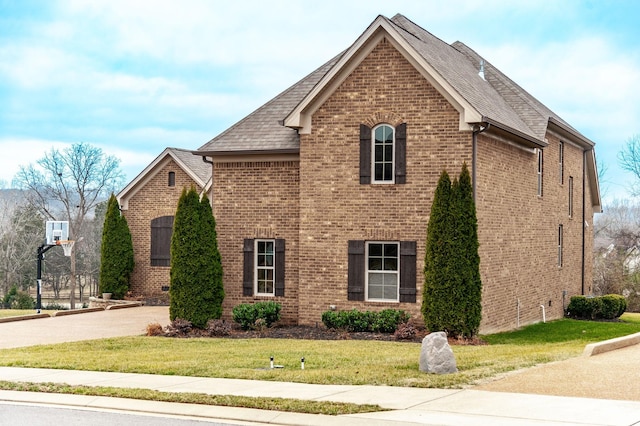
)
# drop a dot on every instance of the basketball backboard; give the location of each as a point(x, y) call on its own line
point(57, 230)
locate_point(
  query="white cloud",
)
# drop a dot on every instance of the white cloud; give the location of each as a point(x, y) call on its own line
point(17, 152)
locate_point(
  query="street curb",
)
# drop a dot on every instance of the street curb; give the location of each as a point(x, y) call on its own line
point(76, 311)
point(124, 305)
point(24, 317)
point(611, 344)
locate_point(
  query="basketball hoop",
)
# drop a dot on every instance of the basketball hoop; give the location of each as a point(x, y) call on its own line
point(67, 245)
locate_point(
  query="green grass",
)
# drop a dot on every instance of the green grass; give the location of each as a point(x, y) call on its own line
point(5, 313)
point(349, 362)
point(279, 404)
point(568, 330)
point(352, 362)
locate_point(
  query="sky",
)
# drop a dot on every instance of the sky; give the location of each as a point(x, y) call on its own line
point(133, 77)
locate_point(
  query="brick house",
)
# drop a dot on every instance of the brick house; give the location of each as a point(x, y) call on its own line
point(149, 203)
point(322, 195)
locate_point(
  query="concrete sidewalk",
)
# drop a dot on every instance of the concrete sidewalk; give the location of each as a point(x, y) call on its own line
point(618, 369)
point(406, 405)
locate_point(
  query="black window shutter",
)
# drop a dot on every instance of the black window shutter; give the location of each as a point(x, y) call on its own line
point(401, 153)
point(279, 267)
point(355, 286)
point(247, 269)
point(365, 154)
point(408, 271)
point(161, 232)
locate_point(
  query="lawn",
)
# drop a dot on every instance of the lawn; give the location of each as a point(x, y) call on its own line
point(5, 313)
point(353, 362)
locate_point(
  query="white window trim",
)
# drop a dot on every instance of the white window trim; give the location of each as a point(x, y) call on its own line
point(367, 271)
point(540, 171)
point(257, 267)
point(560, 245)
point(373, 156)
point(561, 161)
point(570, 196)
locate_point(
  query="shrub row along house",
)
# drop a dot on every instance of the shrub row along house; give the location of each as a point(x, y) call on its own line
point(322, 196)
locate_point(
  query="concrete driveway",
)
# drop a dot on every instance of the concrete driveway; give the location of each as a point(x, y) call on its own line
point(85, 326)
point(610, 375)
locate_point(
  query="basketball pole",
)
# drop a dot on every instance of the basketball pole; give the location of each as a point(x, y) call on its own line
point(41, 251)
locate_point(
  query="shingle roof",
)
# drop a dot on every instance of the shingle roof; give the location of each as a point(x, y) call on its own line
point(194, 163)
point(496, 98)
point(262, 130)
point(461, 74)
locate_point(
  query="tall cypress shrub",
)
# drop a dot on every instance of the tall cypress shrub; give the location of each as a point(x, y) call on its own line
point(196, 272)
point(452, 287)
point(213, 294)
point(116, 252)
point(435, 298)
point(467, 228)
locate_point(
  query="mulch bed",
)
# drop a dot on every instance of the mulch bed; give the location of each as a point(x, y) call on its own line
point(282, 331)
point(316, 333)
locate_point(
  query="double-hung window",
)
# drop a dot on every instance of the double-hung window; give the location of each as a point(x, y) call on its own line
point(383, 271)
point(383, 154)
point(265, 267)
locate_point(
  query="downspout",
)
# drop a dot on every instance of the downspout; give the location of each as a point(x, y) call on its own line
point(584, 217)
point(477, 129)
point(204, 159)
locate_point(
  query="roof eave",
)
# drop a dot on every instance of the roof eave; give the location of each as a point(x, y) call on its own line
point(569, 133)
point(515, 135)
point(145, 175)
point(300, 116)
point(211, 153)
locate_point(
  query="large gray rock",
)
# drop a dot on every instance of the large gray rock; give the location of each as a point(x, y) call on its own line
point(436, 355)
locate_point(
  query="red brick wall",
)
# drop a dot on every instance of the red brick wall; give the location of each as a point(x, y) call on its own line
point(257, 200)
point(154, 199)
point(336, 208)
point(518, 233)
point(317, 204)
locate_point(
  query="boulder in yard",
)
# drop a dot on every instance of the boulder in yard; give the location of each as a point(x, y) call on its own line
point(436, 355)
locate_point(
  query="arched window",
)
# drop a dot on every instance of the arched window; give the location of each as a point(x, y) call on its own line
point(383, 153)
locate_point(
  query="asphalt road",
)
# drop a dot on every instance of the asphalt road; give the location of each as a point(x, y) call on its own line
point(41, 415)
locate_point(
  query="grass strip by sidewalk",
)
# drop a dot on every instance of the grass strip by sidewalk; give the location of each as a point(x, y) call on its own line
point(262, 403)
point(346, 362)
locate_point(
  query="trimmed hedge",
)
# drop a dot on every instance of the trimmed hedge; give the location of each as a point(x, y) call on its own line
point(385, 321)
point(248, 314)
point(610, 306)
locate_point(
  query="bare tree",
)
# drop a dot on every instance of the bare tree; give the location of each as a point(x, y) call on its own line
point(19, 238)
point(67, 185)
point(629, 160)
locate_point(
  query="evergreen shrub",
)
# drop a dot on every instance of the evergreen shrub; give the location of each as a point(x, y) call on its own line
point(452, 292)
point(249, 315)
point(116, 252)
point(385, 321)
point(196, 291)
point(609, 307)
